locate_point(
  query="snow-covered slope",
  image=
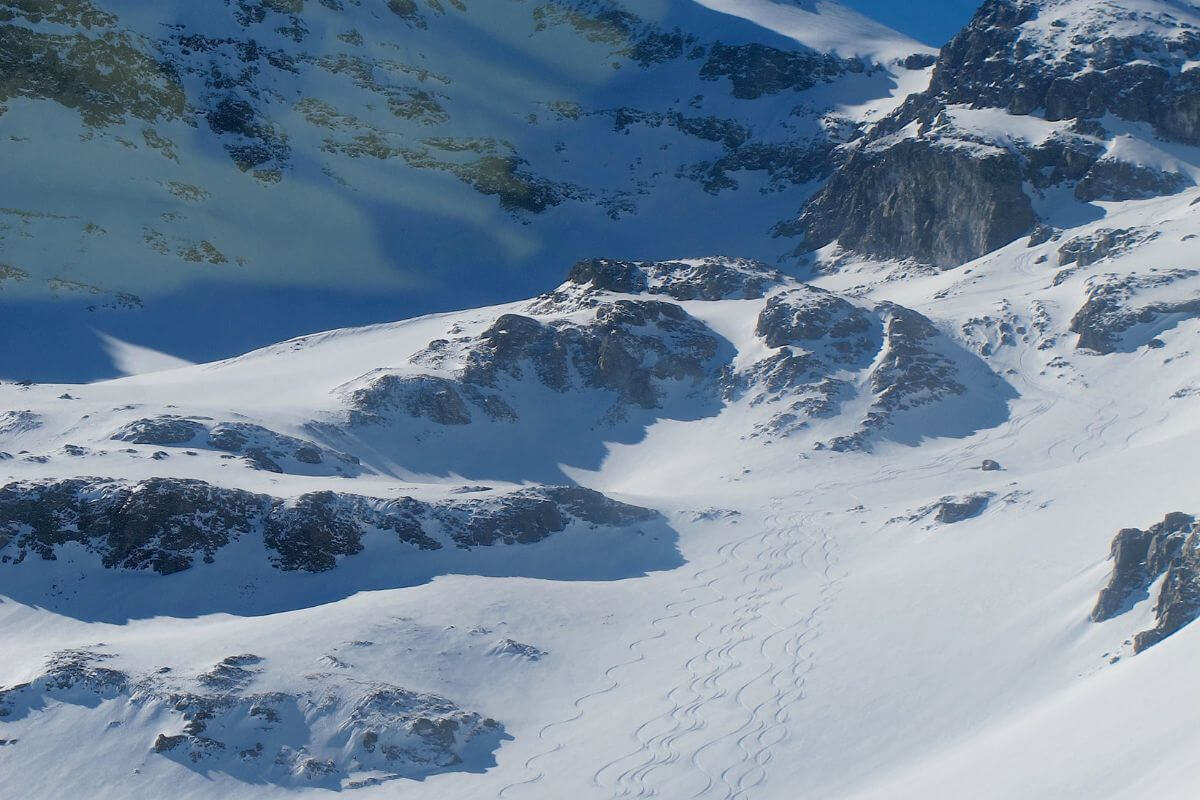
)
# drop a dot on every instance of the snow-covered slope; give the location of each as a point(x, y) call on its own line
point(919, 522)
point(346, 560)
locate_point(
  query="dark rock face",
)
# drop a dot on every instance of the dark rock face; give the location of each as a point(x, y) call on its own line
point(918, 185)
point(1082, 73)
point(756, 69)
point(1169, 549)
point(903, 360)
point(530, 516)
point(1109, 179)
point(917, 199)
point(990, 466)
point(1106, 322)
point(163, 524)
point(251, 735)
point(160, 524)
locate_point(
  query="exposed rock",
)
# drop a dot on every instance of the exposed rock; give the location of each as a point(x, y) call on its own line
point(159, 523)
point(1000, 61)
point(66, 670)
point(1105, 243)
point(1170, 550)
point(917, 199)
point(921, 185)
point(1110, 179)
point(701, 279)
point(440, 400)
point(1111, 320)
point(321, 735)
point(511, 647)
point(951, 510)
point(990, 466)
point(634, 348)
point(807, 316)
point(163, 524)
point(261, 447)
point(756, 69)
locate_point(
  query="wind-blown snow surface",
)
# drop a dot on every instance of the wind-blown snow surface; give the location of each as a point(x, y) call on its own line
point(796, 623)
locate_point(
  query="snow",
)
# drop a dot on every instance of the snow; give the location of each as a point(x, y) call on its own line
point(790, 627)
point(803, 641)
point(825, 26)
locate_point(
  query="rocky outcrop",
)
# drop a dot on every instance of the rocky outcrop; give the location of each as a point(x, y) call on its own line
point(830, 349)
point(639, 350)
point(950, 509)
point(1169, 550)
point(956, 509)
point(1113, 320)
point(757, 69)
point(1009, 58)
point(326, 734)
point(923, 185)
point(701, 279)
point(809, 317)
point(440, 400)
point(515, 649)
point(260, 447)
point(166, 524)
point(1105, 243)
point(160, 524)
point(918, 199)
point(1112, 179)
point(164, 430)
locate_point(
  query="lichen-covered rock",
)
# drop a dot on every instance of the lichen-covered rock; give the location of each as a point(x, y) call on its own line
point(1169, 549)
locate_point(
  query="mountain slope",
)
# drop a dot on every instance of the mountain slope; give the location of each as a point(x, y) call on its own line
point(380, 148)
point(918, 521)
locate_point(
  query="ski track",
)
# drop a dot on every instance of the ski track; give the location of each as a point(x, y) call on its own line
point(735, 666)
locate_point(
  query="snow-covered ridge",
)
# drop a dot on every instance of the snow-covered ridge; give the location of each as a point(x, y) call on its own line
point(825, 26)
